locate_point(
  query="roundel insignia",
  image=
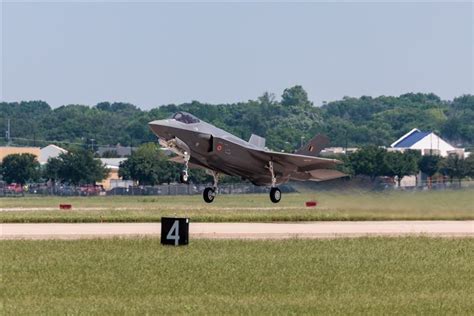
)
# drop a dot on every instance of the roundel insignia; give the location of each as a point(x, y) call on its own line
point(219, 147)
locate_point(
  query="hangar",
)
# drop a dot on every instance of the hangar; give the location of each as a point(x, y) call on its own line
point(427, 142)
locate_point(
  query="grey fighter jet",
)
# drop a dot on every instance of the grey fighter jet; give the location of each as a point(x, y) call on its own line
point(201, 145)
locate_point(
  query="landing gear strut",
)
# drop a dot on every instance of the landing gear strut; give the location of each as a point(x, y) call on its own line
point(275, 193)
point(184, 176)
point(210, 193)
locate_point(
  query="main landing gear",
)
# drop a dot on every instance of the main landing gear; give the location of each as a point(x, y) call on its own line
point(275, 193)
point(210, 193)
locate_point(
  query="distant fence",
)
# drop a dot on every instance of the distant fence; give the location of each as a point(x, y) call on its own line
point(383, 184)
point(442, 185)
point(233, 188)
point(185, 189)
point(164, 189)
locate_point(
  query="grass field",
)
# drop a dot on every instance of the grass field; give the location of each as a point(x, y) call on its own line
point(139, 276)
point(395, 205)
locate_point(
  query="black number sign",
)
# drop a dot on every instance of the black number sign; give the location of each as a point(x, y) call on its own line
point(174, 231)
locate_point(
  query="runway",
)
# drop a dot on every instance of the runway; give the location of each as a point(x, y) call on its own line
point(243, 230)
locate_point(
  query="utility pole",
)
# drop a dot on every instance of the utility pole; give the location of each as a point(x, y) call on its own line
point(7, 133)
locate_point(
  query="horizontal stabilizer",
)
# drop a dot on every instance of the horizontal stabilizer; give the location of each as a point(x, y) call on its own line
point(257, 141)
point(325, 174)
point(314, 146)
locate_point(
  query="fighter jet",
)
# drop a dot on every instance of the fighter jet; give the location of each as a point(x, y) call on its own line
point(198, 144)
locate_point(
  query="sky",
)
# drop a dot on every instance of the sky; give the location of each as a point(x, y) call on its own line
point(154, 53)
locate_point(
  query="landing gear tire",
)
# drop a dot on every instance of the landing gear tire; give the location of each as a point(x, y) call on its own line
point(184, 177)
point(275, 195)
point(209, 194)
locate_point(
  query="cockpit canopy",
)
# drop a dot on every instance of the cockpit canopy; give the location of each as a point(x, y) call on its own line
point(185, 117)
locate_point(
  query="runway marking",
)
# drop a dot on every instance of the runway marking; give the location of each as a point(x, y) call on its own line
point(335, 229)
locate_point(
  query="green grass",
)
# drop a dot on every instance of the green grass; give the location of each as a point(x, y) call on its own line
point(138, 276)
point(438, 205)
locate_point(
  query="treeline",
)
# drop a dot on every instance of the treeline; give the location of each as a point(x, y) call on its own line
point(349, 122)
point(149, 166)
point(373, 161)
point(75, 167)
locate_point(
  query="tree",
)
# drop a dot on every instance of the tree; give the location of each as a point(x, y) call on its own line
point(78, 166)
point(266, 99)
point(148, 166)
point(429, 165)
point(295, 96)
point(400, 164)
point(469, 161)
point(455, 167)
point(459, 125)
point(350, 121)
point(369, 161)
point(20, 168)
point(52, 169)
point(200, 176)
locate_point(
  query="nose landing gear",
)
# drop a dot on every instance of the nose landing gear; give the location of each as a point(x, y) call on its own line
point(184, 176)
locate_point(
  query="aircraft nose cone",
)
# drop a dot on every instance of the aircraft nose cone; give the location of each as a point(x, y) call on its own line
point(160, 128)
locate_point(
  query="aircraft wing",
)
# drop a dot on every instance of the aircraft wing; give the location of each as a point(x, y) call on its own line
point(294, 162)
point(303, 167)
point(301, 162)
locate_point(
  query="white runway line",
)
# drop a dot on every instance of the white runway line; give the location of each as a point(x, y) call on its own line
point(243, 230)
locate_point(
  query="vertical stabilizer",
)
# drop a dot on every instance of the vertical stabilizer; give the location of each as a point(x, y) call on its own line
point(257, 141)
point(314, 146)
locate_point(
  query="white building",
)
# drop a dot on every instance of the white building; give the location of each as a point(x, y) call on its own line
point(426, 142)
point(50, 151)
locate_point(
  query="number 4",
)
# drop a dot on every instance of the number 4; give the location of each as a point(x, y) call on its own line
point(174, 233)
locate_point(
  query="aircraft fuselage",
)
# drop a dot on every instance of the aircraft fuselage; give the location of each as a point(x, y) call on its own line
point(207, 152)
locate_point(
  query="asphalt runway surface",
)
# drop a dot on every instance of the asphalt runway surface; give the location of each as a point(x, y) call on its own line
point(243, 230)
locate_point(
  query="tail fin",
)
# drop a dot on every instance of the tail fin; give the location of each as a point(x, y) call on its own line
point(314, 146)
point(257, 141)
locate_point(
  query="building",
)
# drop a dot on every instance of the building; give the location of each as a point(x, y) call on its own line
point(118, 150)
point(42, 154)
point(113, 165)
point(426, 142)
point(50, 151)
point(9, 150)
